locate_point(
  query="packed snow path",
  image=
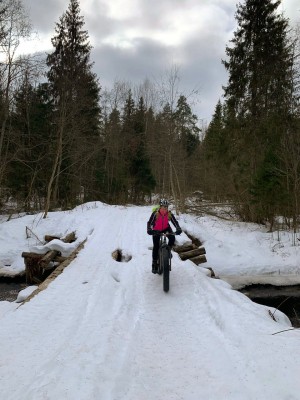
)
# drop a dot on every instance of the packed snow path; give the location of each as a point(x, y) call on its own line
point(105, 330)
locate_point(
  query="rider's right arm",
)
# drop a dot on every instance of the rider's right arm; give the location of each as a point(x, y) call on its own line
point(150, 223)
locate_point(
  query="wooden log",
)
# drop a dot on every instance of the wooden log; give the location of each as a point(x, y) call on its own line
point(212, 272)
point(60, 259)
point(199, 259)
point(32, 271)
point(69, 238)
point(184, 247)
point(48, 257)
point(192, 253)
point(35, 256)
point(48, 238)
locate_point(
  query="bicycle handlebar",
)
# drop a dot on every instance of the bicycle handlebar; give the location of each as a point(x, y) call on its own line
point(159, 233)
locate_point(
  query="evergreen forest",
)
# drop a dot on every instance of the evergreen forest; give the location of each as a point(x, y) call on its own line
point(64, 140)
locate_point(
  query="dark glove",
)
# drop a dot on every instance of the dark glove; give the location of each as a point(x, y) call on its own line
point(150, 231)
point(178, 231)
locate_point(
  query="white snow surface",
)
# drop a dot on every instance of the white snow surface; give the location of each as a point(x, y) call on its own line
point(106, 330)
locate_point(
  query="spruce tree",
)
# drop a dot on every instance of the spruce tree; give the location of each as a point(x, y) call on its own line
point(140, 169)
point(258, 97)
point(113, 179)
point(76, 92)
point(213, 155)
point(259, 60)
point(140, 180)
point(31, 127)
point(186, 127)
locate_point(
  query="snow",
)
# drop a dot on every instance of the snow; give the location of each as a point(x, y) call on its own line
point(106, 330)
point(25, 293)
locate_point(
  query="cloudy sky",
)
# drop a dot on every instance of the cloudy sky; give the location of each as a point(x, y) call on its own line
point(137, 39)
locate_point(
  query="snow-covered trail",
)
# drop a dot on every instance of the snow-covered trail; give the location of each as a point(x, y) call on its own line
point(106, 330)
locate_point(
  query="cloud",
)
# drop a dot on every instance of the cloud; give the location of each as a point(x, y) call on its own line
point(291, 9)
point(143, 38)
point(44, 14)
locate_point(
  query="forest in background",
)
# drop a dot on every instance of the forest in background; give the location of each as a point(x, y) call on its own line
point(64, 140)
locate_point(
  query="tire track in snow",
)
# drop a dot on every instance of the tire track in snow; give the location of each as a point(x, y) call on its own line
point(128, 340)
point(171, 327)
point(116, 313)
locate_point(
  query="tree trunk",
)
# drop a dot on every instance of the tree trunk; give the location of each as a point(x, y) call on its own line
point(56, 164)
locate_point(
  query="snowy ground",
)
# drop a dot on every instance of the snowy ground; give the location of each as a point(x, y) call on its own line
point(105, 330)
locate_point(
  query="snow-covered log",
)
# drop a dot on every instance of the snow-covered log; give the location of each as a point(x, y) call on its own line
point(36, 264)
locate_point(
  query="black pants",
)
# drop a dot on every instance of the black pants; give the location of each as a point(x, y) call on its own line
point(156, 243)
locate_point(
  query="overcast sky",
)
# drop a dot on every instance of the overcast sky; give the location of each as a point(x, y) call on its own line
point(137, 39)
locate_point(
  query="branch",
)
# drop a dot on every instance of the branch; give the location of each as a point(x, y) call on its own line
point(285, 330)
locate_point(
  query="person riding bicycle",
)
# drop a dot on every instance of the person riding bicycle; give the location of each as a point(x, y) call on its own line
point(159, 221)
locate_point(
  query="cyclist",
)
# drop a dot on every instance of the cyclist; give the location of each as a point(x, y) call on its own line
point(159, 221)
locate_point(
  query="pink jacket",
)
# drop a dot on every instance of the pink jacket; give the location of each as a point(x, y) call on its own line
point(162, 222)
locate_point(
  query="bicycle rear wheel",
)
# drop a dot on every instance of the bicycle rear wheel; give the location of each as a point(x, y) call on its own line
point(166, 269)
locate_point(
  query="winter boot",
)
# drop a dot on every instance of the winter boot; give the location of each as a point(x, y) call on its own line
point(154, 266)
point(170, 248)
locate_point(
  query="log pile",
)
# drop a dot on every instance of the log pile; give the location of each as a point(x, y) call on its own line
point(194, 253)
point(191, 252)
point(39, 266)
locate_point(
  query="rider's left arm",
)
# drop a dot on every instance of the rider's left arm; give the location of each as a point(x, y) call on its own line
point(175, 222)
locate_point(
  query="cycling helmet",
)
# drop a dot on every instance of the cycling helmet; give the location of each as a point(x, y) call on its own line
point(163, 202)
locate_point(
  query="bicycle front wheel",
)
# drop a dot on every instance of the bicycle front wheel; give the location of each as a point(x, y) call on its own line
point(160, 263)
point(166, 269)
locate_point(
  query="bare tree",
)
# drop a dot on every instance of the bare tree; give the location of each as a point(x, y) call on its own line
point(14, 25)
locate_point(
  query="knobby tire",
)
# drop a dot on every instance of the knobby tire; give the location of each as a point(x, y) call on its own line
point(166, 269)
point(160, 263)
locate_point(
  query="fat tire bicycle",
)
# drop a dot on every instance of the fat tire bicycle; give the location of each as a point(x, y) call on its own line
point(164, 258)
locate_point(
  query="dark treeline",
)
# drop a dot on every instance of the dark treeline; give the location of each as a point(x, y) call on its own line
point(251, 151)
point(64, 140)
